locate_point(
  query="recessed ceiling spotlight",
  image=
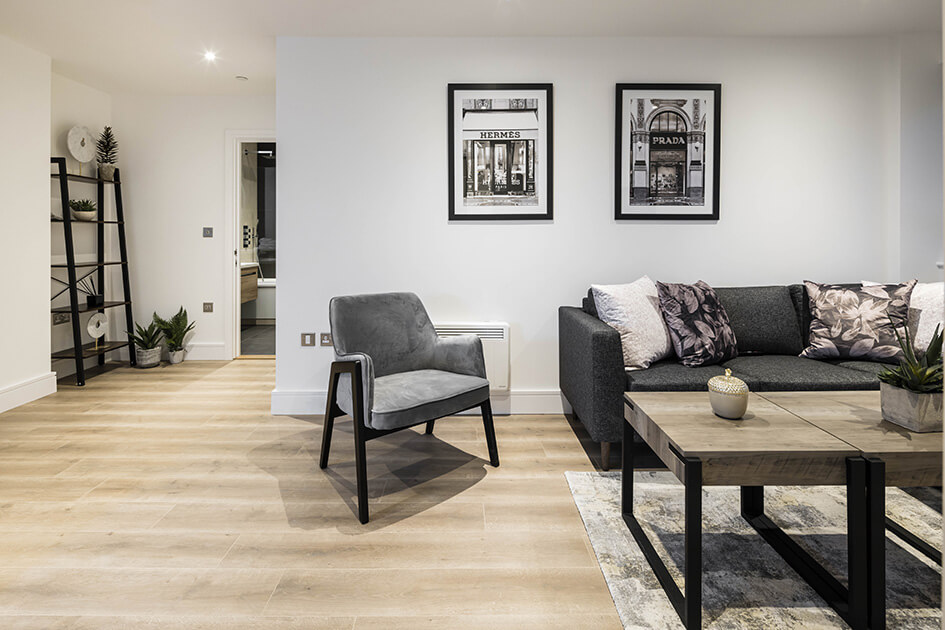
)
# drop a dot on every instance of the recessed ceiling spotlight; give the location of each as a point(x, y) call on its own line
point(209, 56)
point(240, 77)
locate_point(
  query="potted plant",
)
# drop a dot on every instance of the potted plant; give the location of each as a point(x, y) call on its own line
point(107, 149)
point(147, 345)
point(911, 392)
point(175, 332)
point(83, 209)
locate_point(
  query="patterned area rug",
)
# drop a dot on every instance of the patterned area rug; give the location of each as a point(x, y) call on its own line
point(746, 584)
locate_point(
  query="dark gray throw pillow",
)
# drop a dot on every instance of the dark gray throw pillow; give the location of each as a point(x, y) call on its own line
point(763, 318)
point(698, 324)
point(856, 323)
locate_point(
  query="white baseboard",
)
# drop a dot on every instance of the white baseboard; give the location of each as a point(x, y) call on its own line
point(312, 402)
point(27, 391)
point(206, 352)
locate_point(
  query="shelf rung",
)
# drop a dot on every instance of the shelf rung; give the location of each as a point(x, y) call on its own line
point(85, 308)
point(89, 350)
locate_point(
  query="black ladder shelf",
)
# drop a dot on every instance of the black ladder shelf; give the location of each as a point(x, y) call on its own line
point(79, 351)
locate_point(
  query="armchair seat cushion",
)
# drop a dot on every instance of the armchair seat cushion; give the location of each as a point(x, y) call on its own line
point(408, 398)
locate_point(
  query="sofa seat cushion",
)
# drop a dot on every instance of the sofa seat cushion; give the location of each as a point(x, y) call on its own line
point(775, 373)
point(670, 376)
point(871, 367)
point(409, 398)
point(763, 318)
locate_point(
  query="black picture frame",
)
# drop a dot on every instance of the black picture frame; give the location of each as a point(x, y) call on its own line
point(479, 188)
point(641, 185)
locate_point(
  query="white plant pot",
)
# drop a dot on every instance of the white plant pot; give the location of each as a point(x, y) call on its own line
point(148, 358)
point(106, 172)
point(175, 357)
point(921, 413)
point(84, 215)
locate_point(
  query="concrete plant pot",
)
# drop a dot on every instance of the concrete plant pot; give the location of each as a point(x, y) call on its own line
point(175, 357)
point(106, 172)
point(148, 358)
point(921, 413)
point(84, 215)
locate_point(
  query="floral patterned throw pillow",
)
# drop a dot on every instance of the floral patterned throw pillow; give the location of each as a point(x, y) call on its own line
point(698, 324)
point(856, 323)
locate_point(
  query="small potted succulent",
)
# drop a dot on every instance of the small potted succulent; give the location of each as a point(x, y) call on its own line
point(175, 332)
point(83, 209)
point(107, 149)
point(911, 392)
point(147, 345)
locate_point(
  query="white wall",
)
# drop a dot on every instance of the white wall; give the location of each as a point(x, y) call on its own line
point(921, 157)
point(361, 123)
point(172, 165)
point(74, 103)
point(24, 180)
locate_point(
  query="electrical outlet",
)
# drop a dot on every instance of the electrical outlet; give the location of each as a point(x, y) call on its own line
point(208, 307)
point(208, 232)
point(308, 339)
point(326, 339)
point(60, 318)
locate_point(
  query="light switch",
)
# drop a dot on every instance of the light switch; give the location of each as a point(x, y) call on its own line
point(208, 232)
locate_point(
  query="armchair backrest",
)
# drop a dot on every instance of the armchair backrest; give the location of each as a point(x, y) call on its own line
point(392, 328)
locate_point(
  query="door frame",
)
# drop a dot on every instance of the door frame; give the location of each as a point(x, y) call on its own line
point(231, 231)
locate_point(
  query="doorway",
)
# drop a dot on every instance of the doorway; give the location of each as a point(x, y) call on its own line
point(257, 250)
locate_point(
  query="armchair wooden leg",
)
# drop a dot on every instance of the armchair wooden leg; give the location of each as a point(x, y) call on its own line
point(429, 430)
point(605, 455)
point(329, 420)
point(490, 433)
point(360, 460)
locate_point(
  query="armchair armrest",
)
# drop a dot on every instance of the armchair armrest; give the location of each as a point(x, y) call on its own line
point(591, 372)
point(462, 354)
point(345, 391)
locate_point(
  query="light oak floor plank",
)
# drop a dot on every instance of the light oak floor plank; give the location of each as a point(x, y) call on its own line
point(171, 498)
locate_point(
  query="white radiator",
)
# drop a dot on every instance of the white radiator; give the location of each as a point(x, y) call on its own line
point(495, 347)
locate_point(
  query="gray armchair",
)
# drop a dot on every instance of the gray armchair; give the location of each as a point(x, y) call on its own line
point(392, 372)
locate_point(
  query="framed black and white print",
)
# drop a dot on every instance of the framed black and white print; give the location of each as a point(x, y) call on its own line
point(667, 151)
point(500, 149)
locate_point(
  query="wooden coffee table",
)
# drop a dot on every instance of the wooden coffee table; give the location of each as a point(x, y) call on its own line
point(796, 438)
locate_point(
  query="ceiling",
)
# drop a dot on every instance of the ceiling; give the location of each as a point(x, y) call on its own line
point(156, 46)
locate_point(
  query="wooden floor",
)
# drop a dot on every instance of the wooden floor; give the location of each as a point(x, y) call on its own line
point(170, 498)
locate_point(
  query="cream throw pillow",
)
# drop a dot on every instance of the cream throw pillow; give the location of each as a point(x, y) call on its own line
point(634, 311)
point(926, 311)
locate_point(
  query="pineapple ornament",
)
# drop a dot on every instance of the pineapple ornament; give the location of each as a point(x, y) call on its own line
point(107, 148)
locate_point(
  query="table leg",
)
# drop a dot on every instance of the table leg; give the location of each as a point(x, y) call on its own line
point(876, 535)
point(851, 603)
point(626, 495)
point(693, 517)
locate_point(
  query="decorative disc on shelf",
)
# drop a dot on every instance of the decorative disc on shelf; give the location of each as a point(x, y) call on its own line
point(81, 143)
point(97, 325)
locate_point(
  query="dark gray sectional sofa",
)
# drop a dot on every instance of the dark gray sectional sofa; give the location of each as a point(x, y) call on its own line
point(771, 327)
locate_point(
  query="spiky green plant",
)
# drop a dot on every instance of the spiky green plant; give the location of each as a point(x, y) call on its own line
point(174, 329)
point(107, 147)
point(82, 205)
point(920, 375)
point(146, 338)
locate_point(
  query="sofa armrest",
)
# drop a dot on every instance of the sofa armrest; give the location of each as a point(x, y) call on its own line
point(462, 354)
point(591, 372)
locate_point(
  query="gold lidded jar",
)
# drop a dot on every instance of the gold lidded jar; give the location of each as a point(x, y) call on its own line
point(728, 396)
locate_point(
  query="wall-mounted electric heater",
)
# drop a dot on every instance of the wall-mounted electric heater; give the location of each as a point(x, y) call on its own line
point(495, 347)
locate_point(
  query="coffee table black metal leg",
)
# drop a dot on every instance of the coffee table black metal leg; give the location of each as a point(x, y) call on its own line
point(876, 535)
point(858, 561)
point(852, 603)
point(688, 606)
point(626, 495)
point(693, 618)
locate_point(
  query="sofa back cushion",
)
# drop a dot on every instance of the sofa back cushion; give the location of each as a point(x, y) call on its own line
point(588, 305)
point(765, 319)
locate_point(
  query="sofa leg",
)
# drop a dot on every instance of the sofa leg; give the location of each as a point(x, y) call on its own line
point(605, 455)
point(490, 433)
point(429, 430)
